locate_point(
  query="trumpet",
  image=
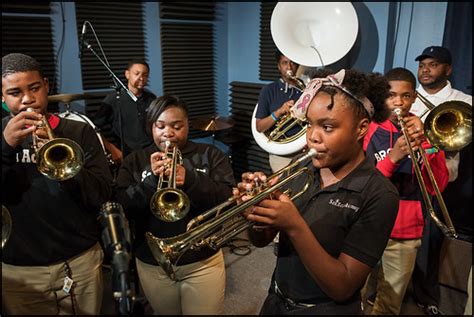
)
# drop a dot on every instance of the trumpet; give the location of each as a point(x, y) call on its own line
point(6, 225)
point(216, 226)
point(448, 228)
point(170, 203)
point(58, 158)
point(448, 126)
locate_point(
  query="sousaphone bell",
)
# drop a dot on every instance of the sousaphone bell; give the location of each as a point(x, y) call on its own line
point(311, 34)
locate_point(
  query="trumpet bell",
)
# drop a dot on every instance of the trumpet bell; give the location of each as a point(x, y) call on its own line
point(60, 159)
point(449, 125)
point(163, 252)
point(170, 204)
point(298, 28)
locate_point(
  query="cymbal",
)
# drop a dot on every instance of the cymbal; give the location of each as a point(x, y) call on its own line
point(212, 123)
point(66, 97)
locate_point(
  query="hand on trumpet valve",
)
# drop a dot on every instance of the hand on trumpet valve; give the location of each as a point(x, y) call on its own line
point(160, 164)
point(271, 211)
point(20, 126)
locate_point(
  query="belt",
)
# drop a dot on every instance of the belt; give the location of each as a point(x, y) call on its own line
point(289, 303)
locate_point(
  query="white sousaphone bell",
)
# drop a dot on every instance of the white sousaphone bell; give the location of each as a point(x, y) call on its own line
point(311, 34)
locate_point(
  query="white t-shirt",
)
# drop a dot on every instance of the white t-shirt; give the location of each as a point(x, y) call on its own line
point(448, 93)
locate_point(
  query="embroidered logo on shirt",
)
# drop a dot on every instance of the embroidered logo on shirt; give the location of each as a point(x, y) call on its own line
point(337, 203)
point(145, 174)
point(202, 170)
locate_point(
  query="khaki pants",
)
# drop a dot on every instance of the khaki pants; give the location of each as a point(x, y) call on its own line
point(397, 264)
point(199, 287)
point(468, 308)
point(28, 290)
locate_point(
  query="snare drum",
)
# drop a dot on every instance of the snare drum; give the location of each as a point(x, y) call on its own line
point(76, 116)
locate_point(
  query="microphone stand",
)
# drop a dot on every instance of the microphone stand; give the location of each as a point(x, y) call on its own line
point(116, 79)
point(122, 291)
point(118, 86)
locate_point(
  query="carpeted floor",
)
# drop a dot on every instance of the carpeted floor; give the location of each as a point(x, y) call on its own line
point(248, 272)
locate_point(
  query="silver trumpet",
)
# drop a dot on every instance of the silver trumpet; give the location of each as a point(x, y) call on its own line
point(216, 226)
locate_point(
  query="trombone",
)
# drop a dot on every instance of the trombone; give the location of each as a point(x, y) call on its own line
point(447, 229)
point(277, 133)
point(216, 226)
point(170, 203)
point(448, 126)
point(59, 158)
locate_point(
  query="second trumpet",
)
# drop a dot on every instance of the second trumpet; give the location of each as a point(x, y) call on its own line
point(170, 203)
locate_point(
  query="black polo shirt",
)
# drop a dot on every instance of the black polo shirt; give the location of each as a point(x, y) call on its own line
point(354, 216)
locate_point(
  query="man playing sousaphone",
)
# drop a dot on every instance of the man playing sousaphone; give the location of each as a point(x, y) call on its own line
point(275, 100)
point(332, 235)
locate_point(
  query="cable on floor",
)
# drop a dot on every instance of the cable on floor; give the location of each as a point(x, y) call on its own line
point(239, 249)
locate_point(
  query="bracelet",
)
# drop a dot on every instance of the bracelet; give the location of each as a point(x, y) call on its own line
point(431, 150)
point(274, 117)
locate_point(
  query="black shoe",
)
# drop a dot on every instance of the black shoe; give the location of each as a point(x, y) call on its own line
point(371, 299)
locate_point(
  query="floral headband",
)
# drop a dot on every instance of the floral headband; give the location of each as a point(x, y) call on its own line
point(301, 106)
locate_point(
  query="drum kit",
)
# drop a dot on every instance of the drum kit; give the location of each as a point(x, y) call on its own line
point(219, 126)
point(74, 115)
point(216, 124)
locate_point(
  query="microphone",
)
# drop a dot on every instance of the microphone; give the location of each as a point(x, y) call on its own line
point(116, 239)
point(81, 39)
point(115, 234)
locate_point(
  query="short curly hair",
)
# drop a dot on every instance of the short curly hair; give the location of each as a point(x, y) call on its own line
point(374, 86)
point(18, 63)
point(401, 74)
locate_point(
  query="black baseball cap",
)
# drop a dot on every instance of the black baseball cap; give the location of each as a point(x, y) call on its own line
point(441, 54)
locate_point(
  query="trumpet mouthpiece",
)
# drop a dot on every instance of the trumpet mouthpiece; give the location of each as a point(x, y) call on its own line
point(312, 152)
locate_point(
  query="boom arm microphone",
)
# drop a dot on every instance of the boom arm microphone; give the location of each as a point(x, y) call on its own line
point(81, 39)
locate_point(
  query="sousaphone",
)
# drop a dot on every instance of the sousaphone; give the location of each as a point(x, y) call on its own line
point(312, 34)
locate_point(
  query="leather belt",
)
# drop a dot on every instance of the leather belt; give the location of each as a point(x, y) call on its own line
point(290, 304)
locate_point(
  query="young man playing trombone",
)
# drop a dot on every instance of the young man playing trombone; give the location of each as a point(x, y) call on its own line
point(386, 145)
point(332, 235)
point(52, 262)
point(196, 284)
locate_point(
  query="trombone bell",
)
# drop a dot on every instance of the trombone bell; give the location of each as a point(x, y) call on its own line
point(449, 125)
